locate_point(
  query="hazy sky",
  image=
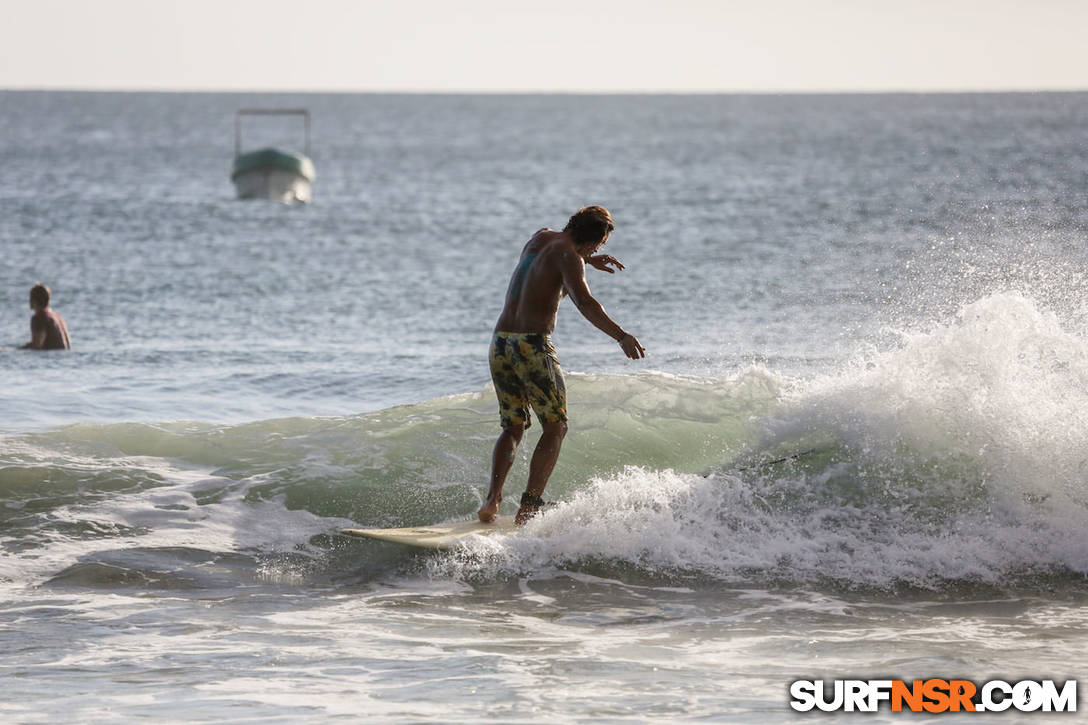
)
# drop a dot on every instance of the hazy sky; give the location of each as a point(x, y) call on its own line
point(609, 45)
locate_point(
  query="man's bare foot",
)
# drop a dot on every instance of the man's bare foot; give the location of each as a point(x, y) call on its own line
point(489, 510)
point(530, 507)
point(525, 513)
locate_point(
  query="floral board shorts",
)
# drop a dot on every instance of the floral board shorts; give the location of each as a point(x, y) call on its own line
point(526, 373)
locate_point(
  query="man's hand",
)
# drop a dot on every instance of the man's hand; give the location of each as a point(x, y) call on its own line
point(631, 348)
point(601, 262)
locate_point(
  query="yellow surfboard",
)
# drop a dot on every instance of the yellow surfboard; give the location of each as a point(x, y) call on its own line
point(440, 536)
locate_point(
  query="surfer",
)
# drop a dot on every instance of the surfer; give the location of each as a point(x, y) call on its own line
point(524, 366)
point(47, 328)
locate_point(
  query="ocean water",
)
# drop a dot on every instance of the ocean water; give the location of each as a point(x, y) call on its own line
point(886, 291)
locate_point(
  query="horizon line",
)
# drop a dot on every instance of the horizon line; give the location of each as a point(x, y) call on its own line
point(553, 91)
point(546, 92)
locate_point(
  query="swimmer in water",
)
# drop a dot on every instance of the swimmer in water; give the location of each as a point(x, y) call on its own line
point(47, 328)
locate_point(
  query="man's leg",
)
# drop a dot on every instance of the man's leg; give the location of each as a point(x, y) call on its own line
point(502, 458)
point(540, 468)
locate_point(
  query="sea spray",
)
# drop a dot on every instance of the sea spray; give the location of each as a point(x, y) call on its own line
point(1002, 387)
point(957, 456)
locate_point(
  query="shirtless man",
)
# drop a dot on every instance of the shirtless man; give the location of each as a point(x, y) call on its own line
point(47, 328)
point(524, 366)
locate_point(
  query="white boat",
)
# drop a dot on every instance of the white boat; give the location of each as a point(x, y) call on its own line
point(272, 173)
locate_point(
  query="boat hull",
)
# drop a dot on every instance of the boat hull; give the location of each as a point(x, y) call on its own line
point(273, 174)
point(274, 184)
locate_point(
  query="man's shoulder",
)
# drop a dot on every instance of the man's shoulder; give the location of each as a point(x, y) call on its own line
point(543, 236)
point(557, 250)
point(543, 242)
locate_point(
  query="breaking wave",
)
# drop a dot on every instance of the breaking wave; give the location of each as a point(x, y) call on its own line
point(956, 455)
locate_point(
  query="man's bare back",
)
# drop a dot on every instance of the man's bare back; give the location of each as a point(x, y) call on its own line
point(552, 265)
point(532, 299)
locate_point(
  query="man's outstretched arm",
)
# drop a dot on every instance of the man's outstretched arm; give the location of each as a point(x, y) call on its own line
point(574, 283)
point(601, 262)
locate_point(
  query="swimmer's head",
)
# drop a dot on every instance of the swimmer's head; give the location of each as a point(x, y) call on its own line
point(590, 225)
point(39, 296)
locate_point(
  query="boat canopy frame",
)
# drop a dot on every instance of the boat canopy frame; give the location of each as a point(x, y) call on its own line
point(305, 113)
